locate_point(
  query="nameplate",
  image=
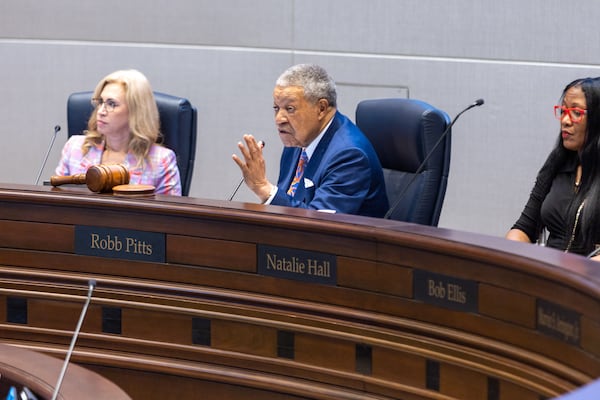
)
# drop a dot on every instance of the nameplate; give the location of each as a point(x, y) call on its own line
point(307, 266)
point(120, 243)
point(557, 321)
point(445, 291)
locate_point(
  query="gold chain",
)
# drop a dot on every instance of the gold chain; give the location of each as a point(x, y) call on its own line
point(574, 227)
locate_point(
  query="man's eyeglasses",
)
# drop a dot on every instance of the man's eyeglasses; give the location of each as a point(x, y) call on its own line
point(575, 113)
point(109, 105)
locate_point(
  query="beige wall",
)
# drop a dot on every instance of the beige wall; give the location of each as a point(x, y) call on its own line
point(224, 56)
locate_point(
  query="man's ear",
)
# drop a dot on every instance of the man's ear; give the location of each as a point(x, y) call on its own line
point(323, 105)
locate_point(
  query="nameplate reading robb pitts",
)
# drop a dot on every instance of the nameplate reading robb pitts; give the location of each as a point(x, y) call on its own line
point(308, 266)
point(445, 291)
point(556, 321)
point(120, 243)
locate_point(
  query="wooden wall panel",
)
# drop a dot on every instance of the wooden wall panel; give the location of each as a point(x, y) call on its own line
point(507, 305)
point(212, 253)
point(36, 236)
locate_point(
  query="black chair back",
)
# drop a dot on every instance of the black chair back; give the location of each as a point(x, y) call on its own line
point(403, 132)
point(178, 124)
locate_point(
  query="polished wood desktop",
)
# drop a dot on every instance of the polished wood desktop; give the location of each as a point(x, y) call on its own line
point(235, 300)
point(22, 368)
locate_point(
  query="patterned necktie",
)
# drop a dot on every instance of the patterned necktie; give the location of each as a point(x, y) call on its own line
point(299, 172)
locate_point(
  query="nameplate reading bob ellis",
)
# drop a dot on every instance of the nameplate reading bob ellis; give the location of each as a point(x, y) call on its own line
point(307, 266)
point(120, 243)
point(446, 291)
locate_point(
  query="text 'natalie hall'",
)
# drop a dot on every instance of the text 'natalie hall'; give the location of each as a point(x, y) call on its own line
point(297, 266)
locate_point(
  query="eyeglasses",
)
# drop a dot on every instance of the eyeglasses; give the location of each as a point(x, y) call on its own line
point(109, 105)
point(575, 113)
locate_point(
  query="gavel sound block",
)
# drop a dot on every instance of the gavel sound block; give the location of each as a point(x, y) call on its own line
point(98, 178)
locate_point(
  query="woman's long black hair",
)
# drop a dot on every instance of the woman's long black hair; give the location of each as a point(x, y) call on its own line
point(589, 158)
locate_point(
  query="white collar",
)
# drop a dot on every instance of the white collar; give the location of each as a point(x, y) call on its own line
point(310, 149)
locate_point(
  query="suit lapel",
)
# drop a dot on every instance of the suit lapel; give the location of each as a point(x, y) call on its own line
point(292, 155)
point(317, 156)
point(315, 160)
point(290, 161)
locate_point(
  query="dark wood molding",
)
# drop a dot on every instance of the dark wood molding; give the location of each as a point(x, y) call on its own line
point(207, 320)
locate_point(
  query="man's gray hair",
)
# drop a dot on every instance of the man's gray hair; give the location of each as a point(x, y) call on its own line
point(314, 79)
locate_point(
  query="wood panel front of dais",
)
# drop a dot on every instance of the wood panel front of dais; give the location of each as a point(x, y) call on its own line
point(229, 298)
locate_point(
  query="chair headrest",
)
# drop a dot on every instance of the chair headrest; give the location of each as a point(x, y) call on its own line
point(170, 108)
point(79, 109)
point(399, 130)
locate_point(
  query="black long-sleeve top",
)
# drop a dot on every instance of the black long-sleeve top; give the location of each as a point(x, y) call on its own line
point(550, 211)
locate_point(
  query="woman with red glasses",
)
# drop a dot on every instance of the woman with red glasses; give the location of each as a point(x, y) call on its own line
point(565, 199)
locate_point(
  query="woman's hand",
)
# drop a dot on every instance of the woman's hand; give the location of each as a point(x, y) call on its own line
point(517, 235)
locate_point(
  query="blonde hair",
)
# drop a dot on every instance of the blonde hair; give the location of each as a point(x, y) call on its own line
point(144, 123)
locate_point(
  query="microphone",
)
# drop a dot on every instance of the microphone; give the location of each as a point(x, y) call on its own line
point(56, 130)
point(387, 215)
point(261, 143)
point(91, 286)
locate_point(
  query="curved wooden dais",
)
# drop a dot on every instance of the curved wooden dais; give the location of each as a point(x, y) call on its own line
point(235, 300)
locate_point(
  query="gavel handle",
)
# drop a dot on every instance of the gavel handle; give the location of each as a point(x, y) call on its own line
point(78, 179)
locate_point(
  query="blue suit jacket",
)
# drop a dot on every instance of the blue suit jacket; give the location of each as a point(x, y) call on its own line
point(344, 170)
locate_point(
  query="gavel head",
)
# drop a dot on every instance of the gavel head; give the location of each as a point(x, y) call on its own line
point(102, 178)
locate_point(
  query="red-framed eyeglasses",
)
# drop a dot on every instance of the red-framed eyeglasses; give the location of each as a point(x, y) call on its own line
point(575, 113)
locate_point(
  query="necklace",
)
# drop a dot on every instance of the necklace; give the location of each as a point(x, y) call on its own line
point(110, 156)
point(572, 239)
point(577, 179)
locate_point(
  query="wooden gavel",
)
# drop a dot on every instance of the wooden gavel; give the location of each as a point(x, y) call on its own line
point(98, 178)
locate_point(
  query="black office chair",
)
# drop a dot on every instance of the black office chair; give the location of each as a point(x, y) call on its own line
point(177, 124)
point(403, 132)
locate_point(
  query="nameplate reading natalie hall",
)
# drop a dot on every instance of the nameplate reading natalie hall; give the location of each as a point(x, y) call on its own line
point(308, 266)
point(557, 321)
point(445, 291)
point(120, 243)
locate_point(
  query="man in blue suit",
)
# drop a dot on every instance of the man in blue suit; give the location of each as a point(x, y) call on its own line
point(327, 163)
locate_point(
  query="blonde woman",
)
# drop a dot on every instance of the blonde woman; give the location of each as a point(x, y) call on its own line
point(124, 129)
